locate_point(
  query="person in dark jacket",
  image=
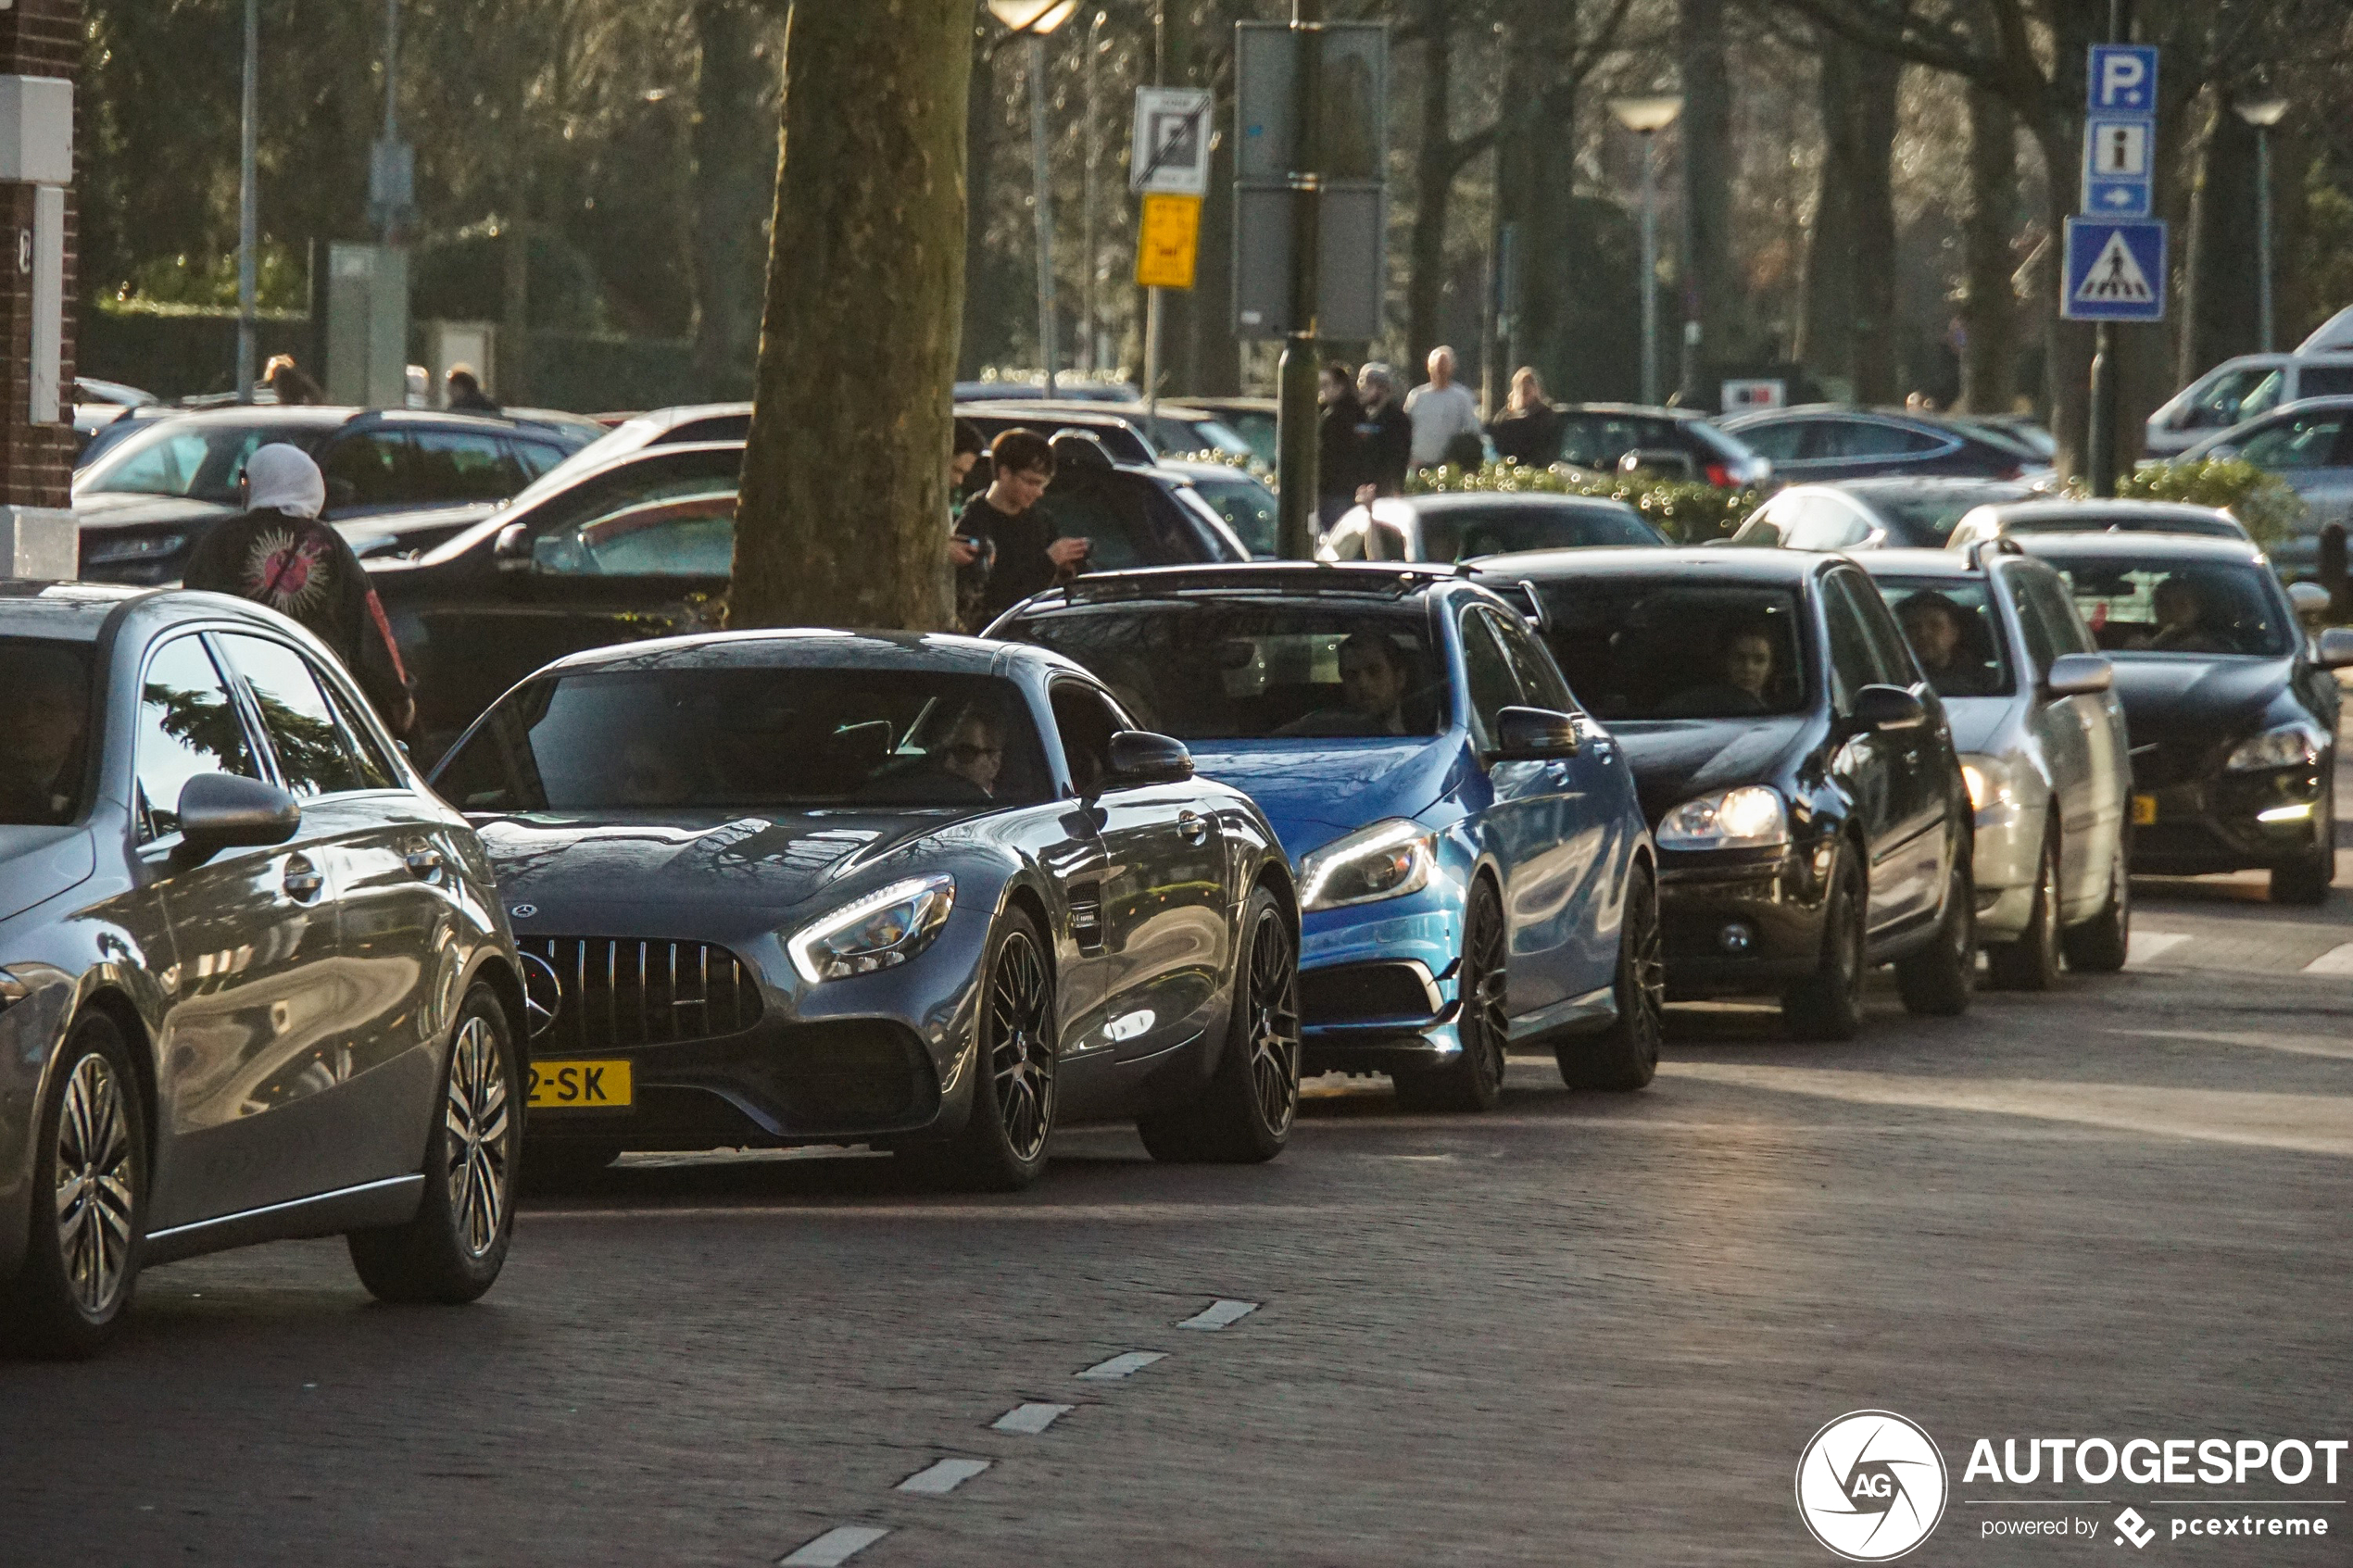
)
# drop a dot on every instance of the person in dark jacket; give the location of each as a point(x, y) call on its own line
point(1384, 434)
point(1031, 552)
point(278, 554)
point(1529, 430)
point(1340, 454)
point(463, 392)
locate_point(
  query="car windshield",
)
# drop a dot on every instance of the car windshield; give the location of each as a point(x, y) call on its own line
point(1223, 670)
point(1655, 648)
point(1463, 533)
point(197, 460)
point(750, 739)
point(2190, 607)
point(1926, 519)
point(1950, 623)
point(1247, 506)
point(42, 746)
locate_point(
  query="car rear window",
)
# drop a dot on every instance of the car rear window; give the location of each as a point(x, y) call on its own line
point(1657, 648)
point(198, 459)
point(2160, 606)
point(1461, 533)
point(42, 746)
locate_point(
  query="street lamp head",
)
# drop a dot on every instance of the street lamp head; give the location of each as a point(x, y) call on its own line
point(1646, 115)
point(2262, 113)
point(1037, 17)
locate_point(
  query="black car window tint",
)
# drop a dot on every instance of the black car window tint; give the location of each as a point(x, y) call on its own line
point(1488, 677)
point(2033, 624)
point(45, 745)
point(535, 458)
point(187, 725)
point(1085, 723)
point(2300, 441)
point(461, 465)
point(1667, 649)
point(2069, 633)
point(1779, 442)
point(1539, 680)
point(718, 427)
point(369, 469)
point(303, 729)
point(1950, 628)
point(1853, 664)
point(2324, 381)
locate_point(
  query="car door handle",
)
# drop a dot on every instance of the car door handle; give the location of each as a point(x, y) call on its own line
point(1192, 827)
point(304, 880)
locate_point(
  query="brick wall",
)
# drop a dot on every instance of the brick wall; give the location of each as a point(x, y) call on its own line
point(37, 38)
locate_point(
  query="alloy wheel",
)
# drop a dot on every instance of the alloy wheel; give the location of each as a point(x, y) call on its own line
point(1483, 988)
point(1021, 1055)
point(95, 1199)
point(1646, 965)
point(1274, 1022)
point(476, 1121)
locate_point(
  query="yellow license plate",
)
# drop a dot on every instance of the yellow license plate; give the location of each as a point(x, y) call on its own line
point(2144, 810)
point(581, 1085)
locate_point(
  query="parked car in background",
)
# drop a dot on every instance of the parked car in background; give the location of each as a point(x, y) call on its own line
point(1794, 767)
point(97, 404)
point(2250, 385)
point(2232, 710)
point(1872, 514)
point(1821, 442)
point(1067, 390)
point(2041, 741)
point(1252, 419)
point(1240, 496)
point(2308, 446)
point(929, 893)
point(1600, 435)
point(1461, 526)
point(255, 979)
point(2049, 516)
point(145, 503)
point(1470, 859)
point(1129, 431)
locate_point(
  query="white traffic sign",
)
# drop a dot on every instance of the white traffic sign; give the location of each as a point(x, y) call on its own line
point(2119, 149)
point(1170, 152)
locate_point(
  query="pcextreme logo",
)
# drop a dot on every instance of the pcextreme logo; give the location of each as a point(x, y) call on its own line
point(1870, 1485)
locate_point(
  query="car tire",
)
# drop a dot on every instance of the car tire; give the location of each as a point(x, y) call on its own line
point(1002, 1147)
point(81, 1262)
point(1474, 1079)
point(2101, 944)
point(553, 1165)
point(2031, 963)
point(1935, 982)
point(1244, 1115)
point(452, 1251)
point(1625, 1056)
point(1827, 1004)
point(2305, 881)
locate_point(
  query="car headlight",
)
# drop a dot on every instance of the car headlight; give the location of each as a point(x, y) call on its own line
point(2290, 745)
point(1751, 817)
point(1988, 780)
point(1387, 860)
point(885, 928)
point(103, 551)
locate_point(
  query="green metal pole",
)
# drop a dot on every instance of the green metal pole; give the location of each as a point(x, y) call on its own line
point(1296, 412)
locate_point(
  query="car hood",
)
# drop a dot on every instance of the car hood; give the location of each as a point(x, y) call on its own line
point(112, 510)
point(566, 862)
point(1315, 790)
point(1675, 759)
point(38, 863)
point(2171, 693)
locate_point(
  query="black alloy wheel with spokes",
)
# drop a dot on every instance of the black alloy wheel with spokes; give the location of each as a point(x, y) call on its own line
point(1002, 1147)
point(1474, 1079)
point(89, 1202)
point(2101, 945)
point(1625, 1056)
point(1827, 1004)
point(1245, 1112)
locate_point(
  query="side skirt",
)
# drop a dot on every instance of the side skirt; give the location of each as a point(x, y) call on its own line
point(390, 1202)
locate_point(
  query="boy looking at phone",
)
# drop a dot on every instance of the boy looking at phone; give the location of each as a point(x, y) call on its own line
point(1030, 553)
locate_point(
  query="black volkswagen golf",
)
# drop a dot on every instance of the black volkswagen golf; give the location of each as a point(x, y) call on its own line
point(2231, 708)
point(1795, 768)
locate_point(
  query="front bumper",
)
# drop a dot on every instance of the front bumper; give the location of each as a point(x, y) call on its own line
point(2218, 824)
point(2002, 868)
point(1742, 922)
point(1377, 983)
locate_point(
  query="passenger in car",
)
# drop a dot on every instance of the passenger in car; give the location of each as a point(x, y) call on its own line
point(1939, 632)
point(43, 747)
point(2180, 621)
point(1373, 683)
point(1744, 668)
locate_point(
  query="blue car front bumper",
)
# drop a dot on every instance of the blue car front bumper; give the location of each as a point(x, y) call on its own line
point(1378, 983)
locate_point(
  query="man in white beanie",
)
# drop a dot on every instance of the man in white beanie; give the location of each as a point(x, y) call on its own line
point(279, 553)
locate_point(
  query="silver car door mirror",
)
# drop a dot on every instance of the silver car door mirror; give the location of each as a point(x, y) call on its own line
point(2078, 674)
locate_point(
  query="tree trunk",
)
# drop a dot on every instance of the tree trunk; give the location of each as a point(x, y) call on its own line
point(733, 149)
point(845, 499)
point(1874, 216)
point(2222, 312)
point(1711, 288)
point(1989, 306)
point(1535, 186)
point(1826, 319)
point(983, 338)
point(1434, 168)
point(2066, 345)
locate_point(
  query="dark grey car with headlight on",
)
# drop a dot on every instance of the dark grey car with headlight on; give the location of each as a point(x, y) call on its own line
point(928, 894)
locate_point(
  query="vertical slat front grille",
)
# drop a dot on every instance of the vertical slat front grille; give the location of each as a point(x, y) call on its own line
point(625, 992)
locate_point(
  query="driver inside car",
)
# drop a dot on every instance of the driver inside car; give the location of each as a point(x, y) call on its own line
point(1744, 668)
point(1373, 683)
point(44, 740)
point(2180, 621)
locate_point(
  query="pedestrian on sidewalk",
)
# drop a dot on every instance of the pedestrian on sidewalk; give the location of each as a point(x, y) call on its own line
point(1385, 436)
point(1529, 430)
point(462, 390)
point(1340, 471)
point(280, 555)
point(1031, 554)
point(1440, 410)
point(969, 555)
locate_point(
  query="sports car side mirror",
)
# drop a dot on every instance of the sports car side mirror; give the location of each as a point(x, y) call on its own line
point(2078, 674)
point(1887, 708)
point(513, 550)
point(2336, 649)
point(1533, 734)
point(221, 811)
point(1139, 756)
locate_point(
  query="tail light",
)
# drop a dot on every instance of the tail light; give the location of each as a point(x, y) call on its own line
point(1720, 476)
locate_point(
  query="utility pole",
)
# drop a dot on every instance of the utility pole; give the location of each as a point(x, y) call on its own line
point(1295, 420)
point(2100, 441)
point(1089, 333)
point(1151, 296)
point(248, 200)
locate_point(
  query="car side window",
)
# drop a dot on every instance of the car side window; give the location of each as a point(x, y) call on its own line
point(2302, 441)
point(461, 465)
point(1541, 681)
point(1853, 663)
point(370, 463)
point(1779, 442)
point(2069, 632)
point(535, 458)
point(1085, 723)
point(1487, 673)
point(1890, 654)
point(2034, 624)
point(188, 725)
point(313, 757)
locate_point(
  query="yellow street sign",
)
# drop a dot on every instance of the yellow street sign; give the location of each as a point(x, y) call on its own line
point(1168, 240)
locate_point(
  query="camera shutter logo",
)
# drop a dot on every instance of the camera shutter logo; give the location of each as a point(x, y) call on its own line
point(1870, 1485)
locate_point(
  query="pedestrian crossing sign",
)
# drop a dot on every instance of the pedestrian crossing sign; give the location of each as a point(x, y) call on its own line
point(2115, 271)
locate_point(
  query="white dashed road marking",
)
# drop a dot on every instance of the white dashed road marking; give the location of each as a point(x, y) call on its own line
point(1030, 1420)
point(2146, 945)
point(2337, 960)
point(834, 1548)
point(944, 1477)
point(1120, 1366)
point(1219, 1314)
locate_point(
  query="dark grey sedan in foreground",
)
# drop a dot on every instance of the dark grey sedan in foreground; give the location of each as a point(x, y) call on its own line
point(255, 982)
point(924, 893)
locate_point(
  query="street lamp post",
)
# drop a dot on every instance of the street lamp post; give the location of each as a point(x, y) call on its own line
point(2263, 113)
point(1090, 334)
point(248, 203)
point(1036, 18)
point(1647, 117)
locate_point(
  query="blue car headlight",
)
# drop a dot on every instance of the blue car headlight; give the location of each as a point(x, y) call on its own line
point(1388, 859)
point(2290, 745)
point(885, 928)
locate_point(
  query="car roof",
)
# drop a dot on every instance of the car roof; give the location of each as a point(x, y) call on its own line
point(1637, 410)
point(2129, 546)
point(677, 414)
point(64, 611)
point(2011, 511)
point(817, 647)
point(1737, 564)
point(1523, 500)
point(1105, 411)
point(1926, 484)
point(1276, 579)
point(1921, 563)
point(2335, 401)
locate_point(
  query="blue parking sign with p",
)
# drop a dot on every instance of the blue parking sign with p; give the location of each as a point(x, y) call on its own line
point(2123, 79)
